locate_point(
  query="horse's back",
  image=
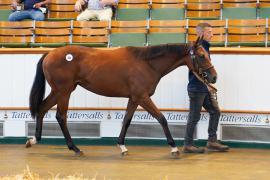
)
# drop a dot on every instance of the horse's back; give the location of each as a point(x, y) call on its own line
point(113, 72)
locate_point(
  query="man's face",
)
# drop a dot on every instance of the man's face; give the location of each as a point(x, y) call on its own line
point(207, 33)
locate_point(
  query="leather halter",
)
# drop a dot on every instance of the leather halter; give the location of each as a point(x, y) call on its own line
point(195, 63)
point(199, 72)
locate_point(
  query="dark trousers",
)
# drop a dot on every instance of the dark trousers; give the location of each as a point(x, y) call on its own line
point(210, 104)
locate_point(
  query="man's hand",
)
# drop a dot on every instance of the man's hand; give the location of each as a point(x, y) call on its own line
point(38, 5)
point(78, 5)
point(14, 5)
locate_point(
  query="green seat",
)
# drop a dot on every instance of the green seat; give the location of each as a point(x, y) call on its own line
point(16, 34)
point(246, 44)
point(128, 33)
point(91, 44)
point(249, 32)
point(168, 14)
point(164, 38)
point(264, 12)
point(48, 44)
point(59, 19)
point(129, 14)
point(90, 33)
point(4, 14)
point(239, 13)
point(127, 39)
point(15, 45)
point(166, 31)
point(217, 44)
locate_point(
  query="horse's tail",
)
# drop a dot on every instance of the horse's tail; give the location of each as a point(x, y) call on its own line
point(38, 89)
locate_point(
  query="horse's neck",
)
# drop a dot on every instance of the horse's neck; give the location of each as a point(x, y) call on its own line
point(163, 66)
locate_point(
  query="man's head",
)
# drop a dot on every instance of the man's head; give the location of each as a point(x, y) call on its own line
point(205, 30)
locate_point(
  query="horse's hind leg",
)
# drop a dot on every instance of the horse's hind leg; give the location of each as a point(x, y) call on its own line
point(131, 107)
point(47, 104)
point(61, 116)
point(149, 106)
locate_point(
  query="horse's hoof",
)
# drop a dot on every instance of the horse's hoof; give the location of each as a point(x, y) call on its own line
point(125, 153)
point(28, 144)
point(175, 154)
point(79, 154)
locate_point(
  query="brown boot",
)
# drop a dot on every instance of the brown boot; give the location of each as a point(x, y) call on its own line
point(193, 149)
point(216, 146)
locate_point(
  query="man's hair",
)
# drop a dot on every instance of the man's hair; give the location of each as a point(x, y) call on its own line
point(201, 26)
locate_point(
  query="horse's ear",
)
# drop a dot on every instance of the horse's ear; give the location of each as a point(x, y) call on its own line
point(197, 41)
point(201, 39)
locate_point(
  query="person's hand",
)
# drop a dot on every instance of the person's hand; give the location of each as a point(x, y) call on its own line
point(38, 5)
point(14, 5)
point(78, 6)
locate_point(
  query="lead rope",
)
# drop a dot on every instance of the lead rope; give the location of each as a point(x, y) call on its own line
point(211, 88)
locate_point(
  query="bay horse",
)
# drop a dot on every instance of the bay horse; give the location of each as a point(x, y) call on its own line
point(131, 72)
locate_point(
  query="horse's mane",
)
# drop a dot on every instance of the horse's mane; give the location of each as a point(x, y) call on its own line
point(150, 52)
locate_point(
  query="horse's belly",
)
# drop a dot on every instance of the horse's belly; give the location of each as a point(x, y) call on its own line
point(107, 89)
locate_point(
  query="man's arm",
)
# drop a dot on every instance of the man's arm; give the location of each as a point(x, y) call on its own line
point(79, 4)
point(15, 3)
point(46, 2)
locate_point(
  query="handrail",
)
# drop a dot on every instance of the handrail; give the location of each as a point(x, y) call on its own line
point(214, 50)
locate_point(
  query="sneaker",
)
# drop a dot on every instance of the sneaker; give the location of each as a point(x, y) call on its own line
point(216, 146)
point(193, 149)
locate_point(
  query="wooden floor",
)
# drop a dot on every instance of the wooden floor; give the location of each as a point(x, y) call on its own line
point(143, 162)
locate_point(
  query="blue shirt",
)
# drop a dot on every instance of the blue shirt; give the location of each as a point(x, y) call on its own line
point(194, 84)
point(28, 4)
point(95, 4)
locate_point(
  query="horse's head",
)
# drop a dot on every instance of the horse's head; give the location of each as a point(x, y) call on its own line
point(200, 63)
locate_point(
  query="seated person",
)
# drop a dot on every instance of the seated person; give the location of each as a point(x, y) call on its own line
point(32, 10)
point(96, 9)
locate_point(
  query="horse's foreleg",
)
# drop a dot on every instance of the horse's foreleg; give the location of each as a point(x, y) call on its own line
point(61, 116)
point(131, 107)
point(47, 104)
point(149, 106)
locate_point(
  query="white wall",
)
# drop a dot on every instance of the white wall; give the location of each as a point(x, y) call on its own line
point(242, 83)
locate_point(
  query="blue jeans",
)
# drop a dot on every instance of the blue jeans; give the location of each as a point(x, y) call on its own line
point(210, 104)
point(33, 14)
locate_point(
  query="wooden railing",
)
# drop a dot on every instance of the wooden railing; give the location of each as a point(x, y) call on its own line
point(214, 50)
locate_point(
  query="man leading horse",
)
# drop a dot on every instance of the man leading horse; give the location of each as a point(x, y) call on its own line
point(200, 96)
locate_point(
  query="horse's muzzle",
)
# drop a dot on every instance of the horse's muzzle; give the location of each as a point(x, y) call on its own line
point(214, 80)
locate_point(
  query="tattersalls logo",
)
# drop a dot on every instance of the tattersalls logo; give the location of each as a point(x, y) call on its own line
point(71, 115)
point(242, 118)
point(23, 115)
point(140, 116)
point(85, 115)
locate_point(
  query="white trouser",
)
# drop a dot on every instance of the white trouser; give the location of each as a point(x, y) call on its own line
point(102, 15)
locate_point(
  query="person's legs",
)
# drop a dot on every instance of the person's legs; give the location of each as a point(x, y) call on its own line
point(196, 101)
point(37, 15)
point(86, 15)
point(27, 14)
point(19, 15)
point(105, 14)
point(211, 105)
